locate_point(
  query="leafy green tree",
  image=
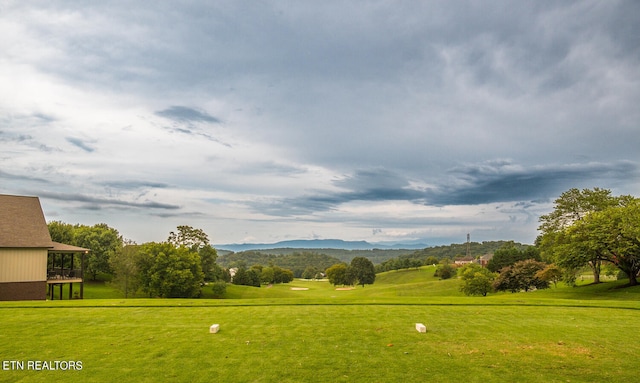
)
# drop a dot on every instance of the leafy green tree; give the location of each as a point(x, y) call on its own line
point(226, 275)
point(521, 276)
point(267, 275)
point(189, 237)
point(103, 241)
point(173, 272)
point(476, 280)
point(253, 277)
point(281, 275)
point(339, 274)
point(310, 272)
point(198, 241)
point(246, 277)
point(240, 276)
point(62, 232)
point(613, 234)
point(415, 263)
point(124, 263)
point(363, 271)
point(565, 249)
point(208, 256)
point(509, 254)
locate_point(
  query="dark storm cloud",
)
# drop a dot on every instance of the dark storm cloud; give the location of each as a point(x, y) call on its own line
point(490, 182)
point(364, 185)
point(500, 181)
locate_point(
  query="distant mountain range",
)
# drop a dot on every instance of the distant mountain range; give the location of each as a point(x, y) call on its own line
point(321, 244)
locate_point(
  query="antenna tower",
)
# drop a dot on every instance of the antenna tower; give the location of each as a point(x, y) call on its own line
point(468, 245)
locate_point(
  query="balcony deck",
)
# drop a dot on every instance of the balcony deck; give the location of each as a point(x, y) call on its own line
point(64, 280)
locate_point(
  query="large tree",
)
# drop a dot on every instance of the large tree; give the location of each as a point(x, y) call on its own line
point(476, 280)
point(125, 268)
point(613, 234)
point(363, 271)
point(168, 271)
point(509, 254)
point(247, 277)
point(558, 245)
point(339, 274)
point(189, 237)
point(197, 241)
point(208, 256)
point(62, 232)
point(103, 241)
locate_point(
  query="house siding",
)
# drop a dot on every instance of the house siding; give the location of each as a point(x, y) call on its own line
point(23, 265)
point(23, 291)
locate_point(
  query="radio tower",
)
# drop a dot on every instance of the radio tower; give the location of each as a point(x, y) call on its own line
point(468, 245)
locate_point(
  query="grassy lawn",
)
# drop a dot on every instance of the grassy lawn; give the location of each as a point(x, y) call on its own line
point(280, 334)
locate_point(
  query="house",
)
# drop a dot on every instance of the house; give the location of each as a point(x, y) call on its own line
point(463, 261)
point(484, 260)
point(31, 264)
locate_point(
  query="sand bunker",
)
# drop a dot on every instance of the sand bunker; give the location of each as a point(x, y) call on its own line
point(299, 288)
point(345, 288)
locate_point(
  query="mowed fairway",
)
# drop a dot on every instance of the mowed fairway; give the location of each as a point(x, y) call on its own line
point(327, 337)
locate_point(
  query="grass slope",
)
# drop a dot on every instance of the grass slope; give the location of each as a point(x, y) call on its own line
point(277, 334)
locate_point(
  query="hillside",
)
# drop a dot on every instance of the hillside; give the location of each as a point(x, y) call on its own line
point(296, 261)
point(460, 249)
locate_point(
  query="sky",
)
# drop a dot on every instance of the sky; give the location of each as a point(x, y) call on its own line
point(263, 121)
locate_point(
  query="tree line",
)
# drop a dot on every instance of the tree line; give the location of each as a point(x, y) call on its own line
point(176, 268)
point(299, 262)
point(587, 228)
point(180, 266)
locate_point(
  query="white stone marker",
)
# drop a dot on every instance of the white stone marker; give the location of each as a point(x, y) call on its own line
point(421, 328)
point(214, 328)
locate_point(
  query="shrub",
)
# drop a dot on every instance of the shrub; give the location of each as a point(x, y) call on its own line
point(219, 289)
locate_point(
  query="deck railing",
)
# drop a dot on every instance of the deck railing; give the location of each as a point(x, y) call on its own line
point(57, 273)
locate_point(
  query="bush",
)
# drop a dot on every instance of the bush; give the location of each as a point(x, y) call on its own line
point(219, 289)
point(521, 276)
point(476, 280)
point(445, 271)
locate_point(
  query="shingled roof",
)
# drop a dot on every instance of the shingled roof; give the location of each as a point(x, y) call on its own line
point(22, 223)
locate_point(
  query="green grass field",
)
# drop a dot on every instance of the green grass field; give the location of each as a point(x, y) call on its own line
point(309, 331)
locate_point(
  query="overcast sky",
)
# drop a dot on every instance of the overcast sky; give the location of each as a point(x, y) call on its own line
point(262, 121)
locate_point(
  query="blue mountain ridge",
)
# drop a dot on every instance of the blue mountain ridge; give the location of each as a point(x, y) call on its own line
point(320, 244)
